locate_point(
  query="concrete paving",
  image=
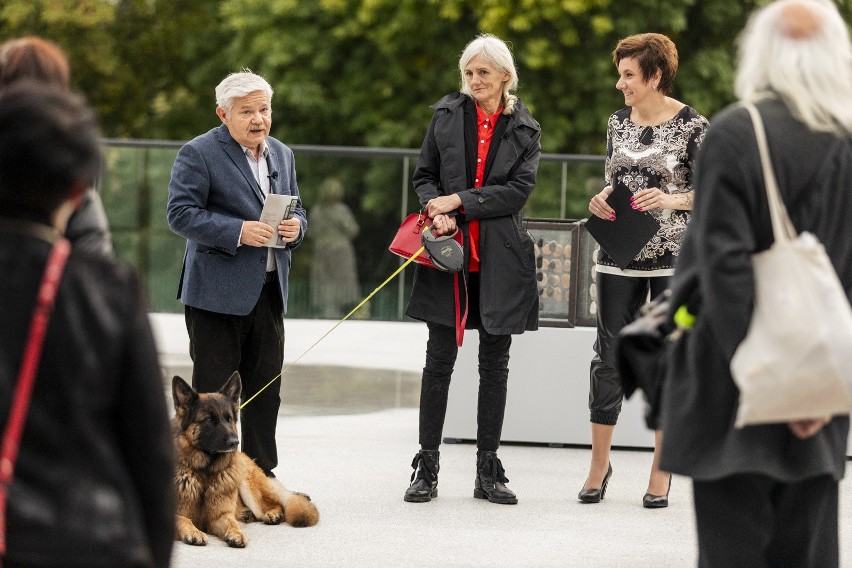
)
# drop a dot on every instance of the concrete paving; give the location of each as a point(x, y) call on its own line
point(356, 468)
point(347, 433)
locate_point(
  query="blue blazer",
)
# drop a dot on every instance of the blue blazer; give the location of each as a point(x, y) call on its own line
point(211, 192)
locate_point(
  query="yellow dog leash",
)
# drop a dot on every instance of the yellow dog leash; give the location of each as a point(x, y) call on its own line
point(346, 317)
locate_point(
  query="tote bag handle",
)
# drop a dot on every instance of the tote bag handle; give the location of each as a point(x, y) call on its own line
point(782, 227)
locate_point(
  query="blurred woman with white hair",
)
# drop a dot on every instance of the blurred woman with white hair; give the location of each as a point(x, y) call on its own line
point(765, 495)
point(476, 170)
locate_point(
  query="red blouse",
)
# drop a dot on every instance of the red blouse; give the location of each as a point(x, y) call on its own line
point(484, 131)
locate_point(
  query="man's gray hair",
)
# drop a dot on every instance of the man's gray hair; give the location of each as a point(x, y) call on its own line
point(240, 84)
point(800, 50)
point(495, 51)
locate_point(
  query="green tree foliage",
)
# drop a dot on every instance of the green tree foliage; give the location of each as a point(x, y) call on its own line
point(363, 72)
point(138, 61)
point(359, 73)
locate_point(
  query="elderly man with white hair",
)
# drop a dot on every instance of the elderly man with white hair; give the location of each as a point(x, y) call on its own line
point(233, 286)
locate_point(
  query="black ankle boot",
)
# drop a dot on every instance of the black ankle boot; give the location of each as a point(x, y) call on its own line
point(491, 479)
point(424, 479)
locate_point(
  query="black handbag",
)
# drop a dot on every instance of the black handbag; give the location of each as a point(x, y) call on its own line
point(641, 349)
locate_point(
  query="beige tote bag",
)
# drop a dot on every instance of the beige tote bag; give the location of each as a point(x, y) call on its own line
point(795, 362)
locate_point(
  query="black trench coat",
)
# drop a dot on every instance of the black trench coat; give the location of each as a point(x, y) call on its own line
point(508, 292)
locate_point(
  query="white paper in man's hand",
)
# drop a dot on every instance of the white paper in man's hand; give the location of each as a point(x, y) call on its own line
point(275, 209)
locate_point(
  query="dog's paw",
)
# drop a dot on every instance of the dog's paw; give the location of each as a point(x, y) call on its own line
point(246, 516)
point(236, 539)
point(273, 516)
point(195, 538)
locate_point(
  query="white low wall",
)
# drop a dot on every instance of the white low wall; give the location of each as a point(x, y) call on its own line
point(548, 398)
point(548, 373)
point(354, 343)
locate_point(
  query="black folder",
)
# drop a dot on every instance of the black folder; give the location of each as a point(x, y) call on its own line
point(623, 238)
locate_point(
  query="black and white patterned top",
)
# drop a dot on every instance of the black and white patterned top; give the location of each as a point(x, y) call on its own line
point(661, 156)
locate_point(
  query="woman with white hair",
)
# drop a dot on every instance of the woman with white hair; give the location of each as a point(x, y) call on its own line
point(476, 170)
point(765, 495)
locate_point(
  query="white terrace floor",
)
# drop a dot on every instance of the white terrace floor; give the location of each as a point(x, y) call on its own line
point(347, 433)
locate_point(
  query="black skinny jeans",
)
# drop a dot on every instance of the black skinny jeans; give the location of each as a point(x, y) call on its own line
point(441, 353)
point(619, 299)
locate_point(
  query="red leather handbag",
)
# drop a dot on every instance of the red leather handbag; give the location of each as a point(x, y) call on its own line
point(409, 239)
point(413, 237)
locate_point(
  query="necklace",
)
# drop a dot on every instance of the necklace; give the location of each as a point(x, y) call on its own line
point(653, 121)
point(650, 127)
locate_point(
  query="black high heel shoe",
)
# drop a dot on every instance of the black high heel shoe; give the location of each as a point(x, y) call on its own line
point(595, 495)
point(657, 501)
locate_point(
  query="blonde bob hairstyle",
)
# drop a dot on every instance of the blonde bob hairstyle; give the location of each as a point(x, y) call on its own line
point(811, 63)
point(495, 51)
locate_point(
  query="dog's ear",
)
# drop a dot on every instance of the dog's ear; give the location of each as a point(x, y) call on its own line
point(182, 394)
point(233, 387)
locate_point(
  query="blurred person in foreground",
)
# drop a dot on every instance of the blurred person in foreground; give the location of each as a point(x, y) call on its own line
point(651, 149)
point(234, 287)
point(93, 479)
point(765, 496)
point(476, 171)
point(42, 60)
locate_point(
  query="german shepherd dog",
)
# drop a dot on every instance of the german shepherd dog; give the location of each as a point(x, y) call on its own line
point(216, 484)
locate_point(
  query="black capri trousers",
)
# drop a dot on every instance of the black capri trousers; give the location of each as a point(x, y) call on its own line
point(619, 299)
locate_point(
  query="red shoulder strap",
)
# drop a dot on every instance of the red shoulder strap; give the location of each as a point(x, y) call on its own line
point(27, 373)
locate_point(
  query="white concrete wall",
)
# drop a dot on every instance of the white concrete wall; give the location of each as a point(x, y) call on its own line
point(354, 343)
point(548, 373)
point(548, 399)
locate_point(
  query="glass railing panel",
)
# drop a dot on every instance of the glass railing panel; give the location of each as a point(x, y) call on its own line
point(377, 190)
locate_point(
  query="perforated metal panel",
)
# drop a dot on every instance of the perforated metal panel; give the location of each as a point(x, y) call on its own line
point(564, 272)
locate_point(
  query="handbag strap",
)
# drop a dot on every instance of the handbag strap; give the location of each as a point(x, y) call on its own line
point(461, 316)
point(782, 227)
point(27, 373)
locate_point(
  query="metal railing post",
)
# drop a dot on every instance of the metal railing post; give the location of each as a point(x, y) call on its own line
point(400, 300)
